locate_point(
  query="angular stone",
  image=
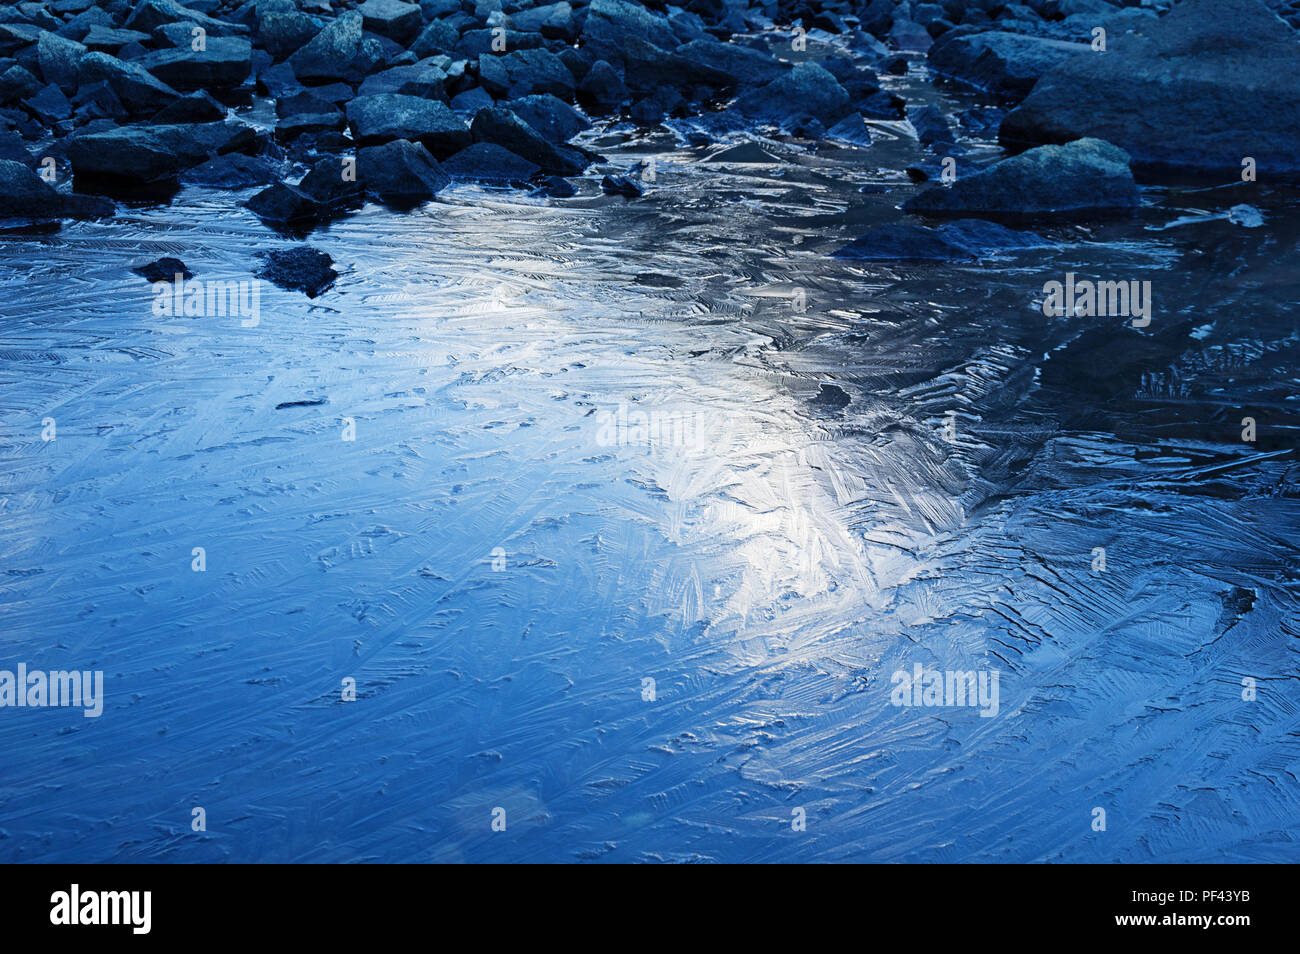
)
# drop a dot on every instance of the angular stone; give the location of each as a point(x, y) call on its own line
point(400, 172)
point(504, 128)
point(150, 153)
point(332, 53)
point(1087, 176)
point(139, 90)
point(388, 116)
point(224, 63)
point(487, 162)
point(58, 59)
point(24, 194)
point(304, 269)
point(1197, 91)
point(807, 92)
point(394, 19)
point(150, 14)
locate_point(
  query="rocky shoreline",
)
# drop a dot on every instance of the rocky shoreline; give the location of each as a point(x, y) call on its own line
point(392, 101)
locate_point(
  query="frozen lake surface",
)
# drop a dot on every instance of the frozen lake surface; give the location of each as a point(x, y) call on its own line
point(501, 577)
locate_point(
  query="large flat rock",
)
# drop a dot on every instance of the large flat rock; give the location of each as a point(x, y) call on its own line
point(1207, 85)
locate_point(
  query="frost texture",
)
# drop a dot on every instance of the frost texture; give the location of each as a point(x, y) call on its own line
point(769, 578)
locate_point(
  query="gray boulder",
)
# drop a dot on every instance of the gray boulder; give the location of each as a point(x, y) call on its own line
point(16, 84)
point(1085, 177)
point(488, 162)
point(333, 53)
point(647, 69)
point(151, 153)
point(602, 88)
point(552, 117)
point(282, 33)
point(283, 204)
point(554, 21)
point(25, 195)
point(58, 59)
point(148, 15)
point(743, 65)
point(303, 268)
point(1005, 63)
point(1207, 85)
point(807, 92)
point(108, 39)
point(196, 107)
point(394, 19)
point(139, 90)
point(388, 116)
point(328, 184)
point(611, 23)
point(425, 79)
point(234, 170)
point(438, 37)
point(503, 128)
point(523, 73)
point(224, 63)
point(400, 172)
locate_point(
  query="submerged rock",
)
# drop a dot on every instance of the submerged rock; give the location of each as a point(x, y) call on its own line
point(961, 240)
point(304, 269)
point(1197, 91)
point(1086, 176)
point(280, 203)
point(622, 185)
point(163, 270)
